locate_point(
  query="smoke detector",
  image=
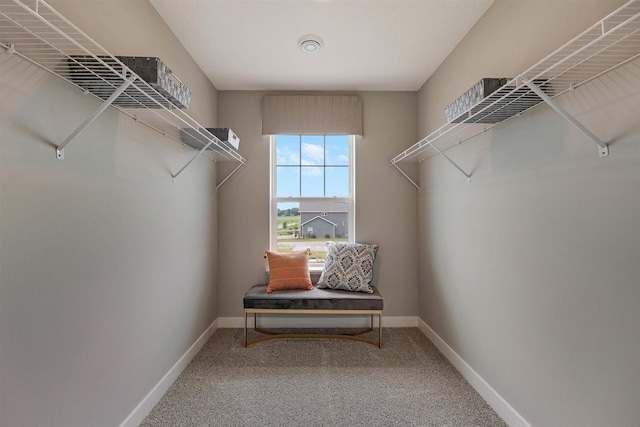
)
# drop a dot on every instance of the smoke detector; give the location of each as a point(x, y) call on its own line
point(310, 43)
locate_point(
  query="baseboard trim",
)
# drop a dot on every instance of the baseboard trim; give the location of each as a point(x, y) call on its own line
point(497, 402)
point(310, 321)
point(501, 406)
point(153, 397)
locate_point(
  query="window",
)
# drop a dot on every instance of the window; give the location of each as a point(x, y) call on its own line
point(312, 192)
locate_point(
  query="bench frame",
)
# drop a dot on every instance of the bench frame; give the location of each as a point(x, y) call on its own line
point(269, 335)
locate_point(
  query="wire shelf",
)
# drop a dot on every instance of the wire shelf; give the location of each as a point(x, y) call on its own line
point(610, 43)
point(39, 34)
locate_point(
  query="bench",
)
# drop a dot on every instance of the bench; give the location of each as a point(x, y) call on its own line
point(315, 301)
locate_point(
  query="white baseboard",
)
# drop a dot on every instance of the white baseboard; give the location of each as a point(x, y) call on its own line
point(318, 321)
point(142, 410)
point(501, 406)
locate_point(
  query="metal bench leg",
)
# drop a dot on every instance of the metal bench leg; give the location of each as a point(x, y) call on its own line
point(245, 328)
point(379, 329)
point(274, 335)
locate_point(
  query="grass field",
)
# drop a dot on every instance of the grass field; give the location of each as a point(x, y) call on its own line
point(292, 225)
point(288, 219)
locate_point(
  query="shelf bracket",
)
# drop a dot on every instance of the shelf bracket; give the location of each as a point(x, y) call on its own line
point(405, 175)
point(191, 161)
point(202, 150)
point(453, 163)
point(9, 48)
point(242, 163)
point(604, 149)
point(60, 149)
point(230, 175)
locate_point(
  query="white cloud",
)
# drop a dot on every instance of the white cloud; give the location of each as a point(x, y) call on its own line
point(312, 154)
point(341, 159)
point(287, 156)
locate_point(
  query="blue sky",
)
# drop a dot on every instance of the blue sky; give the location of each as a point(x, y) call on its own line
point(312, 165)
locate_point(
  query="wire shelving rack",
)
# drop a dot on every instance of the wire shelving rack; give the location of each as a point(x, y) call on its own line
point(608, 44)
point(36, 32)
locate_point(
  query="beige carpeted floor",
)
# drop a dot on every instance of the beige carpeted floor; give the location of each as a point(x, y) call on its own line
point(321, 382)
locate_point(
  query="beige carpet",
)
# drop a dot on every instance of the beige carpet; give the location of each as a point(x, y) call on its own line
point(321, 382)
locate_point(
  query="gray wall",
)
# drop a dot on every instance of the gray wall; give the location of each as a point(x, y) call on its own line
point(107, 268)
point(320, 225)
point(530, 272)
point(382, 199)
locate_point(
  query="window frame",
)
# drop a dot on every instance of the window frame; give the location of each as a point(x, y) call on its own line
point(274, 199)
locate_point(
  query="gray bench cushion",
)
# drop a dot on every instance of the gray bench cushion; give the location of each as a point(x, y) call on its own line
point(315, 299)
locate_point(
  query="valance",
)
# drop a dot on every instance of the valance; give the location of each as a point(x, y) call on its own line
point(312, 115)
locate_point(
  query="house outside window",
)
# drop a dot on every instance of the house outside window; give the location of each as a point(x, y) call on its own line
point(328, 219)
point(312, 192)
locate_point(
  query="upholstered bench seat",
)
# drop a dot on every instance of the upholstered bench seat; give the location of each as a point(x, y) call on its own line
point(315, 301)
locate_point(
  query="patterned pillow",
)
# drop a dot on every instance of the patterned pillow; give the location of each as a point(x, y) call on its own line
point(349, 267)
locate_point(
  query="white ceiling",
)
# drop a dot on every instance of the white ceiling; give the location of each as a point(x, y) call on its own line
point(369, 45)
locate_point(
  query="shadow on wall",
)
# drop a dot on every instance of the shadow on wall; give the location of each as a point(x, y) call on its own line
point(24, 97)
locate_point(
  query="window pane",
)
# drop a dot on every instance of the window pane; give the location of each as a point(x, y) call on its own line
point(288, 149)
point(337, 150)
point(288, 227)
point(337, 181)
point(321, 222)
point(312, 182)
point(300, 227)
point(312, 149)
point(311, 166)
point(288, 181)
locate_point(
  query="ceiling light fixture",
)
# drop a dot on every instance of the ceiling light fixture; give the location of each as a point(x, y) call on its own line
point(310, 43)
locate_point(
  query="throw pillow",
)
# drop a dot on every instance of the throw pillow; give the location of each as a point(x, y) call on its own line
point(349, 267)
point(288, 271)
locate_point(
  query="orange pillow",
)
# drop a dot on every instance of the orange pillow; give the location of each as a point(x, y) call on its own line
point(288, 271)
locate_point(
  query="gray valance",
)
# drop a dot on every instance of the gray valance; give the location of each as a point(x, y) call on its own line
point(312, 114)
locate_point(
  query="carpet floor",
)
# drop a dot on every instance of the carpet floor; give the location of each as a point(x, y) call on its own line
point(321, 382)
